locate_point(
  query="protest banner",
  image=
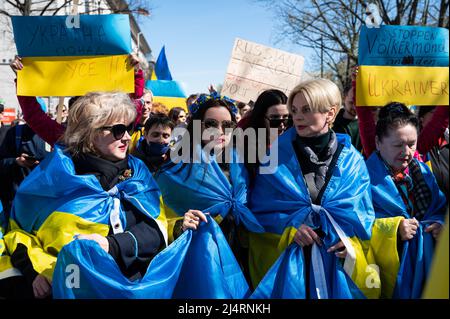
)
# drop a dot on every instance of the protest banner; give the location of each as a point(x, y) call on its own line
point(69, 76)
point(64, 60)
point(39, 36)
point(404, 45)
point(379, 85)
point(254, 68)
point(406, 64)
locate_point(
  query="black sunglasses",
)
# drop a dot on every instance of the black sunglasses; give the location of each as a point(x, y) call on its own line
point(276, 122)
point(215, 124)
point(119, 130)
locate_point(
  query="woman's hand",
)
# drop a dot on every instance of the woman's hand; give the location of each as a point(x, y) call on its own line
point(341, 253)
point(42, 288)
point(408, 228)
point(16, 64)
point(134, 60)
point(192, 219)
point(435, 230)
point(102, 241)
point(306, 236)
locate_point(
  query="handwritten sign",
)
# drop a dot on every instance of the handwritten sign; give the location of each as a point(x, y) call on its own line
point(38, 36)
point(379, 85)
point(67, 76)
point(254, 68)
point(404, 45)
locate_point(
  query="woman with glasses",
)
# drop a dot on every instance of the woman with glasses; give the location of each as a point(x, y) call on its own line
point(88, 189)
point(177, 115)
point(269, 112)
point(208, 181)
point(315, 207)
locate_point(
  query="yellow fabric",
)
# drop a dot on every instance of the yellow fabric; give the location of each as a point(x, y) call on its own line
point(57, 231)
point(436, 286)
point(135, 139)
point(383, 246)
point(74, 76)
point(365, 274)
point(171, 102)
point(171, 218)
point(379, 85)
point(263, 252)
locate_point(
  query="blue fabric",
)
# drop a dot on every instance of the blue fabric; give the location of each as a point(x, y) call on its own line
point(165, 88)
point(53, 186)
point(162, 67)
point(203, 186)
point(416, 253)
point(193, 266)
point(281, 200)
point(286, 278)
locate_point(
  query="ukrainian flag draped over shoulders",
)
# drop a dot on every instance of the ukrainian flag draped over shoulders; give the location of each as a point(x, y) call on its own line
point(203, 186)
point(403, 272)
point(53, 204)
point(281, 203)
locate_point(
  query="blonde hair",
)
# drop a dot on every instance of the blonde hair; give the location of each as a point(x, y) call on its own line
point(321, 95)
point(92, 112)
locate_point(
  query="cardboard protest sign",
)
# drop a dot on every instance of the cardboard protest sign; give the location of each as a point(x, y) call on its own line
point(254, 68)
point(61, 59)
point(379, 85)
point(406, 64)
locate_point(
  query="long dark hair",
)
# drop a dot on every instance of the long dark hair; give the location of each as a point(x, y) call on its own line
point(257, 120)
point(199, 115)
point(174, 113)
point(392, 116)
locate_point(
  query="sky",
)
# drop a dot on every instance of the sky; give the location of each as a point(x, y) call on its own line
point(199, 36)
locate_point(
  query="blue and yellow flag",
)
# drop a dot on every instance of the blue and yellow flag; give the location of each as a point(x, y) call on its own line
point(401, 277)
point(165, 90)
point(73, 55)
point(203, 186)
point(170, 274)
point(281, 203)
point(53, 204)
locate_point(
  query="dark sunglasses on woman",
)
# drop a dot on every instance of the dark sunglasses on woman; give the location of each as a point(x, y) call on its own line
point(215, 124)
point(119, 130)
point(276, 122)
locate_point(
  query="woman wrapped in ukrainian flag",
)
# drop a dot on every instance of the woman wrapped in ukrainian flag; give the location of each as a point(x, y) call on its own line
point(409, 206)
point(208, 182)
point(89, 206)
point(315, 206)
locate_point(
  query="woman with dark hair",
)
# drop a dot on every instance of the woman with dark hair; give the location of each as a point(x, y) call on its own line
point(438, 156)
point(269, 111)
point(177, 115)
point(208, 178)
point(409, 207)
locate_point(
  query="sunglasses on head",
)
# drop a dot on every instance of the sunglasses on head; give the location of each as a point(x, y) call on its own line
point(215, 124)
point(119, 130)
point(276, 122)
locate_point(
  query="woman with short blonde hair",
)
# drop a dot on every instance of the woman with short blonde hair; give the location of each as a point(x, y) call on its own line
point(88, 195)
point(321, 188)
